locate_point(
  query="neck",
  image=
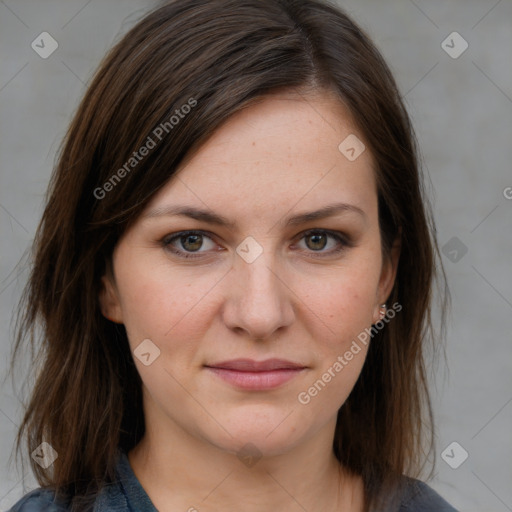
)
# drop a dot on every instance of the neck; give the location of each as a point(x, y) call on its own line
point(180, 471)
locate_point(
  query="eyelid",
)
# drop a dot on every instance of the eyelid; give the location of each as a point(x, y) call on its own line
point(167, 240)
point(342, 238)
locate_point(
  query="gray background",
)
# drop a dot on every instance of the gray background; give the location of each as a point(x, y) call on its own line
point(462, 111)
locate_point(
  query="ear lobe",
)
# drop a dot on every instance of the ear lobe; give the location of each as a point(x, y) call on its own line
point(109, 301)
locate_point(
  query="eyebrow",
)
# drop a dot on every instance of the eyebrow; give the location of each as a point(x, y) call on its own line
point(216, 219)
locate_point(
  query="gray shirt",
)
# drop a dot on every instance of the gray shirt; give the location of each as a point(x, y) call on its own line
point(128, 495)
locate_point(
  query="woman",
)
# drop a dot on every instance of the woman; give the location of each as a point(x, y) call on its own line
point(234, 273)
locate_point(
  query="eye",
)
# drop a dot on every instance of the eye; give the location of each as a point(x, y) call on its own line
point(191, 242)
point(318, 240)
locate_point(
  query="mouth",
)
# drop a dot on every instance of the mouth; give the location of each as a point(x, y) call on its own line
point(256, 375)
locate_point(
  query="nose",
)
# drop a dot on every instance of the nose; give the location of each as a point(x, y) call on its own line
point(259, 300)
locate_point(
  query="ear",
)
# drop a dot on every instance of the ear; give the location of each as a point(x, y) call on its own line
point(388, 275)
point(109, 300)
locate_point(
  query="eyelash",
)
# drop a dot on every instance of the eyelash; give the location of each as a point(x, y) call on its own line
point(342, 240)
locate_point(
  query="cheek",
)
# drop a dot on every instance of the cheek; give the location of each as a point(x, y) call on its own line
point(343, 302)
point(158, 303)
point(341, 314)
point(169, 310)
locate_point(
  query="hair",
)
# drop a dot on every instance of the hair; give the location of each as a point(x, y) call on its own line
point(218, 57)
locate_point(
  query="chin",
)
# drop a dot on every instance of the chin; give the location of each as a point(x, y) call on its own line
point(264, 433)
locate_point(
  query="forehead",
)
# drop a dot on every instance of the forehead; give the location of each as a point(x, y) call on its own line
point(278, 154)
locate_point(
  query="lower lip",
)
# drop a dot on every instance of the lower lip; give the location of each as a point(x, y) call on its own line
point(257, 380)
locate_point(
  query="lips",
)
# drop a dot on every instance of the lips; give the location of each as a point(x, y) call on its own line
point(247, 374)
point(248, 365)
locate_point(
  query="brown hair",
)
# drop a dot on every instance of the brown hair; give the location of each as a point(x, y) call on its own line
point(223, 55)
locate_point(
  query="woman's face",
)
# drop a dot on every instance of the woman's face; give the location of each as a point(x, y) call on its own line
point(271, 285)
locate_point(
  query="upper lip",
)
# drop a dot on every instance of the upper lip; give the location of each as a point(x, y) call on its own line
point(249, 365)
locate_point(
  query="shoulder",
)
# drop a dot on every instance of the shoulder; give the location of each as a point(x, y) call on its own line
point(109, 498)
point(38, 500)
point(420, 497)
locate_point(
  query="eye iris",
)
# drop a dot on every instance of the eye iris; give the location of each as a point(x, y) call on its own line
point(195, 246)
point(316, 237)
